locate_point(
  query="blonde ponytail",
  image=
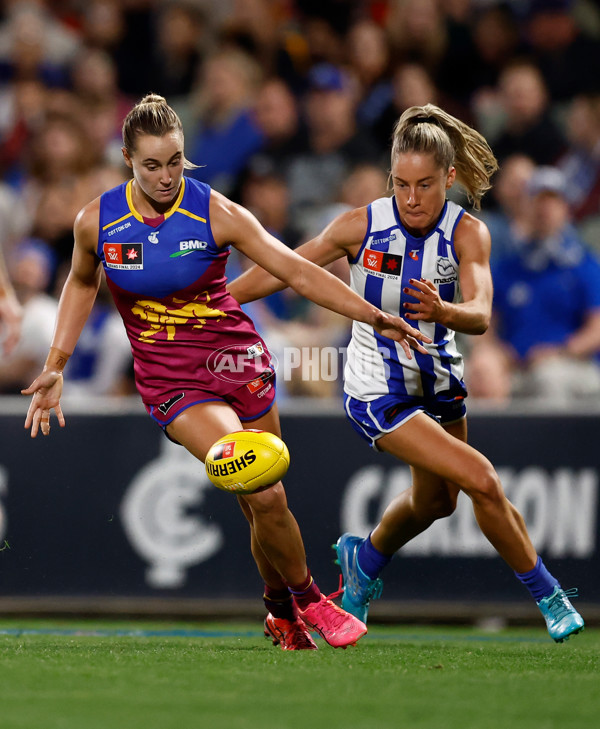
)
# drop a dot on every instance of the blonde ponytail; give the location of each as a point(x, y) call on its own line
point(431, 130)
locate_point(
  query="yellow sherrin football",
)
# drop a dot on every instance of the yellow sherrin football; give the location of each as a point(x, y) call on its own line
point(247, 460)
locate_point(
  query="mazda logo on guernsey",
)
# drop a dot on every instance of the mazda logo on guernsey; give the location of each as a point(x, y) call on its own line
point(447, 270)
point(445, 267)
point(241, 364)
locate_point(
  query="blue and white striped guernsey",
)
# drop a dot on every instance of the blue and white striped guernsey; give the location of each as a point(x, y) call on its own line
point(388, 258)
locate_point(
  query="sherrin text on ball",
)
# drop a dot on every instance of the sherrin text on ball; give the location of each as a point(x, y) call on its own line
point(246, 460)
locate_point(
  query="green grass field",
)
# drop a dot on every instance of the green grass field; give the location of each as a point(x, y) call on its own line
point(117, 675)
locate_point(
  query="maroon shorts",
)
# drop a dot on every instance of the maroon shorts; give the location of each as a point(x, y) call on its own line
point(249, 401)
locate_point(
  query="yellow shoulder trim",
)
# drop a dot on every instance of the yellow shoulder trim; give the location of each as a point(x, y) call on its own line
point(114, 222)
point(129, 196)
point(191, 215)
point(177, 202)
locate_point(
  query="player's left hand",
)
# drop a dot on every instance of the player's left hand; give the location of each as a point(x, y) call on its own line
point(430, 306)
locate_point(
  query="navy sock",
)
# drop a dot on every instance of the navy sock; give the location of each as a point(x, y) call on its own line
point(538, 581)
point(371, 560)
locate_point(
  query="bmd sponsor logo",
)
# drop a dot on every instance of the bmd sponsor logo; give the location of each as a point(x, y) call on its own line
point(189, 246)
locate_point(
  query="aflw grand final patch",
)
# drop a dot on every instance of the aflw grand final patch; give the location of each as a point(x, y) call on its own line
point(383, 265)
point(124, 255)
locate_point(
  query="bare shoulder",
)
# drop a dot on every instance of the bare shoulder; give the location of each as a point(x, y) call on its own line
point(470, 225)
point(472, 236)
point(219, 203)
point(353, 222)
point(348, 230)
point(228, 220)
point(87, 222)
point(222, 208)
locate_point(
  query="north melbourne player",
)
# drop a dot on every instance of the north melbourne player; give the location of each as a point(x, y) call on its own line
point(422, 256)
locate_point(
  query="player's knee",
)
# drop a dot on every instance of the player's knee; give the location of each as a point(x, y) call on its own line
point(483, 484)
point(439, 507)
point(444, 506)
point(269, 502)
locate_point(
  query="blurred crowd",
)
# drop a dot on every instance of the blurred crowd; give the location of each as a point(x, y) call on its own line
point(288, 107)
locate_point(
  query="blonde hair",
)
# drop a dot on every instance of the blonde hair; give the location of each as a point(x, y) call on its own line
point(152, 115)
point(431, 130)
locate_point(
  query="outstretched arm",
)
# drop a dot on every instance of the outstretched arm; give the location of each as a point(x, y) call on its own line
point(232, 223)
point(76, 301)
point(337, 240)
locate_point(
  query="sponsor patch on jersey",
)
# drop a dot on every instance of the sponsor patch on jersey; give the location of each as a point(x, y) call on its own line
point(166, 406)
point(382, 265)
point(380, 239)
point(119, 228)
point(255, 350)
point(260, 381)
point(189, 246)
point(127, 256)
point(445, 268)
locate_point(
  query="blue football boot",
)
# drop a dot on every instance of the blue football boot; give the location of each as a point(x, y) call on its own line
point(561, 617)
point(359, 589)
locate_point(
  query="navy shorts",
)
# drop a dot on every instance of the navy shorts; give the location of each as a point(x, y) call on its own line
point(249, 401)
point(373, 419)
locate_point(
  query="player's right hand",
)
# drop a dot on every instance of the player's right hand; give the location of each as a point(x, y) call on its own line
point(46, 390)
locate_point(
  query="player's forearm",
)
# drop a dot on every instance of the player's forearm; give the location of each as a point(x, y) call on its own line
point(467, 318)
point(256, 283)
point(74, 308)
point(327, 290)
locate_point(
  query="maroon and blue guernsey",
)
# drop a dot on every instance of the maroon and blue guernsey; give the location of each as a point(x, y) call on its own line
point(167, 277)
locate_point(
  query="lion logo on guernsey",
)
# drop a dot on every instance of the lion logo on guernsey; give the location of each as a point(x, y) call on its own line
point(163, 318)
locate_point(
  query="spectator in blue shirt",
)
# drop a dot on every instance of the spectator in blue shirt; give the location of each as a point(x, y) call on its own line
point(225, 135)
point(546, 307)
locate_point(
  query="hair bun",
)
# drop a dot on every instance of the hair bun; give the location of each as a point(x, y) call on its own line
point(153, 99)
